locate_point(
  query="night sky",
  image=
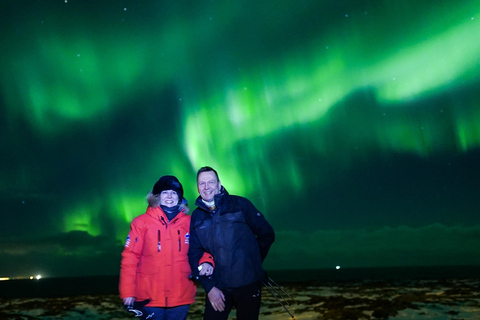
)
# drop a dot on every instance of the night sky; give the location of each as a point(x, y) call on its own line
point(354, 126)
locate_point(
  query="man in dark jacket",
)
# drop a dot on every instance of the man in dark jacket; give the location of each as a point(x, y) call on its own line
point(238, 236)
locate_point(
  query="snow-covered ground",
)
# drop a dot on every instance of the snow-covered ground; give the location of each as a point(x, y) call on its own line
point(446, 299)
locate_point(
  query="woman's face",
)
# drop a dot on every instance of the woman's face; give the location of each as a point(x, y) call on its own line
point(168, 198)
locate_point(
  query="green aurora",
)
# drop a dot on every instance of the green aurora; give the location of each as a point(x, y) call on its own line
point(300, 105)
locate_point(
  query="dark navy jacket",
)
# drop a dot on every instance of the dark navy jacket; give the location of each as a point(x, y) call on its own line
point(236, 234)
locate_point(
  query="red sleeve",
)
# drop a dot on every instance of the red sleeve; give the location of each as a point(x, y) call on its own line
point(207, 257)
point(130, 258)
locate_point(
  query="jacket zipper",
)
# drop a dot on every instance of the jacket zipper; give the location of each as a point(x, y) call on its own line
point(162, 221)
point(179, 241)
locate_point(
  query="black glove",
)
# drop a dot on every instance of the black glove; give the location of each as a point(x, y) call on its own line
point(137, 309)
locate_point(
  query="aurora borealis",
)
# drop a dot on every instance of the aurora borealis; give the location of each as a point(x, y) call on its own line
point(354, 126)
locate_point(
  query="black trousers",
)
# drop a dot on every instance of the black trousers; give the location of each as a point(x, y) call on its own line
point(245, 299)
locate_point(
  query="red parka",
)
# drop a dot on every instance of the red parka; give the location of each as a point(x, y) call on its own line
point(154, 261)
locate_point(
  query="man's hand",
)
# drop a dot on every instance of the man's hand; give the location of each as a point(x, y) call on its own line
point(217, 299)
point(206, 269)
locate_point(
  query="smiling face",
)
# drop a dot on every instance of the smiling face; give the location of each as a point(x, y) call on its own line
point(208, 185)
point(168, 198)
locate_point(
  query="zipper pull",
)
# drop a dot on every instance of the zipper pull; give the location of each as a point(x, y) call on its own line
point(162, 220)
point(159, 245)
point(179, 242)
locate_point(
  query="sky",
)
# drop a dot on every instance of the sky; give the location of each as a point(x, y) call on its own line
point(353, 126)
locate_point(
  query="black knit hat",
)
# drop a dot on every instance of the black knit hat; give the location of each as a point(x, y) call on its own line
point(168, 183)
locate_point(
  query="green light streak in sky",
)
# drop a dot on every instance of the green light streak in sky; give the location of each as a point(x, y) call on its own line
point(62, 79)
point(429, 66)
point(88, 215)
point(467, 131)
point(82, 218)
point(127, 206)
point(420, 69)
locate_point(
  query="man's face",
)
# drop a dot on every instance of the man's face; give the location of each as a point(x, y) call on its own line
point(208, 185)
point(168, 198)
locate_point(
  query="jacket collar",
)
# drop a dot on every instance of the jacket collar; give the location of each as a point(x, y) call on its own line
point(158, 214)
point(220, 200)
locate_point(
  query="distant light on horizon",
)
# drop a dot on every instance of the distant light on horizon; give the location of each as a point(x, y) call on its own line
point(337, 267)
point(37, 277)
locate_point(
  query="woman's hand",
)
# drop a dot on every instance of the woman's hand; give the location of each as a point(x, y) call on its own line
point(128, 301)
point(206, 269)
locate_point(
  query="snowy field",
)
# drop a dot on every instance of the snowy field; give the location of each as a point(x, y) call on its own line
point(420, 299)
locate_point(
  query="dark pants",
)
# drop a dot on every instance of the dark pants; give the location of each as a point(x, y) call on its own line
point(173, 313)
point(245, 299)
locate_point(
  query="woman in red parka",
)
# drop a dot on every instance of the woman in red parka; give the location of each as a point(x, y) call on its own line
point(154, 261)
